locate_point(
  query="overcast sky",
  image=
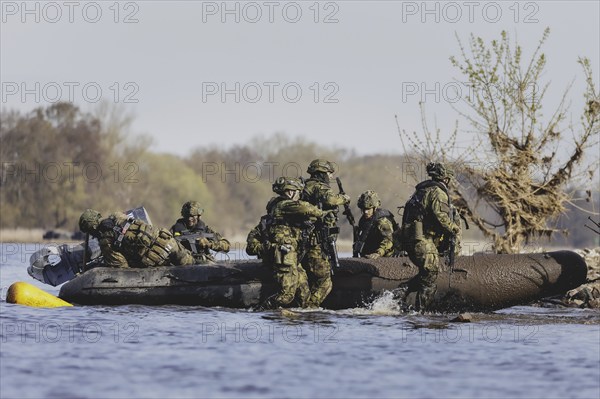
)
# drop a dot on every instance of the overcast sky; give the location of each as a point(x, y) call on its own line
point(197, 73)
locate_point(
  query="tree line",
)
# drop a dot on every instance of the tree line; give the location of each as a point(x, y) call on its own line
point(58, 160)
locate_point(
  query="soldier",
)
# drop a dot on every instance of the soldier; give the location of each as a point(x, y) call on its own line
point(375, 228)
point(427, 225)
point(201, 237)
point(128, 242)
point(290, 229)
point(258, 238)
point(318, 263)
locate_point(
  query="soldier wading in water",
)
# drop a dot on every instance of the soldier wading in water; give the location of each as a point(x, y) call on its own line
point(292, 220)
point(257, 241)
point(427, 226)
point(317, 261)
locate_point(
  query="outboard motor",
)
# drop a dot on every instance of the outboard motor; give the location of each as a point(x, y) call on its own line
point(56, 264)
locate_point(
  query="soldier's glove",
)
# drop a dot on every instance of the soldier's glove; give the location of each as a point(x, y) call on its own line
point(259, 249)
point(374, 255)
point(346, 198)
point(204, 243)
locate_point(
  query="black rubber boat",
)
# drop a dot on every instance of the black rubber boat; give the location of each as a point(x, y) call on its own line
point(478, 282)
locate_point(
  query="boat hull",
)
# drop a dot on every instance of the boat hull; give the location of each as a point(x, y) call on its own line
point(479, 282)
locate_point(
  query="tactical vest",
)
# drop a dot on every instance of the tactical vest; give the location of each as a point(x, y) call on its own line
point(363, 246)
point(180, 227)
point(311, 194)
point(384, 213)
point(266, 221)
point(142, 242)
point(290, 229)
point(415, 212)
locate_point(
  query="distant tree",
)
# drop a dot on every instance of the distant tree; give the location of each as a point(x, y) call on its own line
point(519, 166)
point(42, 156)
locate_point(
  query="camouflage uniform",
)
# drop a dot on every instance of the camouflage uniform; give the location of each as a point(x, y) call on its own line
point(254, 241)
point(127, 242)
point(319, 193)
point(290, 219)
point(202, 245)
point(374, 233)
point(258, 237)
point(426, 227)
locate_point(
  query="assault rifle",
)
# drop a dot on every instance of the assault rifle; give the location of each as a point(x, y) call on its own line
point(451, 243)
point(188, 240)
point(361, 237)
point(349, 216)
point(303, 245)
point(326, 236)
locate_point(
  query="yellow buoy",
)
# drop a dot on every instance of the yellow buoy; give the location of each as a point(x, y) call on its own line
point(30, 295)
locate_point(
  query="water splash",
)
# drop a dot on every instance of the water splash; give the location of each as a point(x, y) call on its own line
point(386, 303)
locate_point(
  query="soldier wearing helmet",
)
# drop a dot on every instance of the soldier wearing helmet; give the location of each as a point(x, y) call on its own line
point(288, 232)
point(375, 228)
point(318, 192)
point(257, 241)
point(204, 238)
point(129, 242)
point(427, 225)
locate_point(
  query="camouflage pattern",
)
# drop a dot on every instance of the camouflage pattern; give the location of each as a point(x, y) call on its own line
point(89, 220)
point(257, 241)
point(318, 192)
point(217, 244)
point(369, 199)
point(191, 208)
point(425, 237)
point(191, 223)
point(425, 256)
point(378, 242)
point(439, 171)
point(290, 217)
point(318, 267)
point(320, 165)
point(317, 264)
point(254, 242)
point(278, 185)
point(126, 242)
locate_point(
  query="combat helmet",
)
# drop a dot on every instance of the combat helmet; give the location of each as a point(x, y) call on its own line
point(438, 171)
point(293, 183)
point(278, 185)
point(369, 199)
point(89, 220)
point(191, 208)
point(320, 165)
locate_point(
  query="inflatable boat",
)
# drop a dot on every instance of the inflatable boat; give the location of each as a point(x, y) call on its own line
point(478, 282)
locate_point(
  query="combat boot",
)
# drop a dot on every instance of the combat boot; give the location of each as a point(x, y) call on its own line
point(425, 298)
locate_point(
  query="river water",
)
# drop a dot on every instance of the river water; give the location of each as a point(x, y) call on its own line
point(375, 351)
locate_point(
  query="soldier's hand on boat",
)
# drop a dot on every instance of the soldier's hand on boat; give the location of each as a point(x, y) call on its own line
point(374, 255)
